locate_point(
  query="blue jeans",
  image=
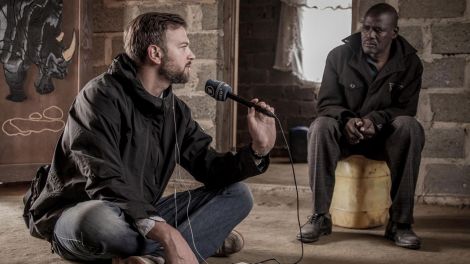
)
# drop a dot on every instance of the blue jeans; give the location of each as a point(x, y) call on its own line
point(97, 230)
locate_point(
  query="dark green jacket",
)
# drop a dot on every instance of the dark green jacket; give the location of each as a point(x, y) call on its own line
point(348, 90)
point(119, 145)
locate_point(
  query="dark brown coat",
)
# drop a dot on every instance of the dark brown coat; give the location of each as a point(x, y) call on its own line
point(348, 90)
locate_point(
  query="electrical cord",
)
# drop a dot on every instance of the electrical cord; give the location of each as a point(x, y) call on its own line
point(178, 161)
point(297, 199)
point(177, 155)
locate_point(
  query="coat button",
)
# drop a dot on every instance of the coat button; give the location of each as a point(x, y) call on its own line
point(352, 86)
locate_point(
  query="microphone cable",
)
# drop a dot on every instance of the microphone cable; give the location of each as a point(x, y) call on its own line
point(297, 198)
point(177, 156)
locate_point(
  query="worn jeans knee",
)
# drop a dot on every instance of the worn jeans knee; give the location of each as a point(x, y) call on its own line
point(244, 200)
point(212, 221)
point(94, 230)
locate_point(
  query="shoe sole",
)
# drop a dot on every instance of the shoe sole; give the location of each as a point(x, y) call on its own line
point(403, 245)
point(311, 240)
point(408, 246)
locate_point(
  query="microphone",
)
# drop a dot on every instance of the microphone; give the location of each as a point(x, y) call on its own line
point(221, 91)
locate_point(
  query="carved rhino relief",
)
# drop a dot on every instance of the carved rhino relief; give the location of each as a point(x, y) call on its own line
point(30, 34)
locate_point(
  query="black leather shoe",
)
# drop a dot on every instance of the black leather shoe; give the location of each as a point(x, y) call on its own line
point(316, 226)
point(402, 235)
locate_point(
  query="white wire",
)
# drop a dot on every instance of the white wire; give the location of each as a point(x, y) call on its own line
point(191, 229)
point(176, 208)
point(177, 156)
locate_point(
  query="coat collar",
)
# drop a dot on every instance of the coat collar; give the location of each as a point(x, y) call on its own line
point(124, 70)
point(400, 49)
point(404, 47)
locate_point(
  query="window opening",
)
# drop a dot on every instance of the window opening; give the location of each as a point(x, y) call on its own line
point(324, 24)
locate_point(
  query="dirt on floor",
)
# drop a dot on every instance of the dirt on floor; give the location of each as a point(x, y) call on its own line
point(271, 228)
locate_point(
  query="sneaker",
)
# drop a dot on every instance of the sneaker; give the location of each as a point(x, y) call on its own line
point(139, 260)
point(402, 235)
point(316, 226)
point(232, 244)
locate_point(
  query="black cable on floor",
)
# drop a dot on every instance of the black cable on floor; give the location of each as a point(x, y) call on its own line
point(297, 199)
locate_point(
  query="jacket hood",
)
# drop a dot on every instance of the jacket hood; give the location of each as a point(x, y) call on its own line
point(400, 44)
point(124, 70)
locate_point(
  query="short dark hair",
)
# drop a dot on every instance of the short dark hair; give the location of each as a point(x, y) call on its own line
point(149, 29)
point(383, 8)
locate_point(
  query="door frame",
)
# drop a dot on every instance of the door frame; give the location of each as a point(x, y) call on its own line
point(226, 119)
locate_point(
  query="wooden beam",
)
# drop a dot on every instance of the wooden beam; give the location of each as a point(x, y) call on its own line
point(227, 111)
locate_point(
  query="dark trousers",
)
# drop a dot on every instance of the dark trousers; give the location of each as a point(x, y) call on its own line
point(399, 144)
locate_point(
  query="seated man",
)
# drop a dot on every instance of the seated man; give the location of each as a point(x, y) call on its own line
point(125, 133)
point(367, 100)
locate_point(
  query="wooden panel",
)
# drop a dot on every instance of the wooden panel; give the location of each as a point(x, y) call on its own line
point(227, 111)
point(18, 172)
point(355, 16)
point(31, 127)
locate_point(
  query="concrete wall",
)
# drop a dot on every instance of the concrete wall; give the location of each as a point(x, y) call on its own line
point(294, 102)
point(440, 31)
point(204, 18)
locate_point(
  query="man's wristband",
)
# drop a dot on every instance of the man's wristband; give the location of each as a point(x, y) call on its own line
point(257, 155)
point(144, 225)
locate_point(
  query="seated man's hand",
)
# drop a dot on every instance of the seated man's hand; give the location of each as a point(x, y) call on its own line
point(351, 129)
point(367, 128)
point(177, 250)
point(262, 128)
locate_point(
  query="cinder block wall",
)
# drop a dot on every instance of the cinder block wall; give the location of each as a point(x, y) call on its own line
point(445, 98)
point(204, 18)
point(294, 103)
point(440, 31)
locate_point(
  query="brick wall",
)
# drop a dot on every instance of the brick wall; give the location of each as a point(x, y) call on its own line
point(294, 103)
point(204, 20)
point(440, 30)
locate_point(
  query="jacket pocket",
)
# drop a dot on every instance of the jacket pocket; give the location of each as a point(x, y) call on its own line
point(394, 87)
point(354, 92)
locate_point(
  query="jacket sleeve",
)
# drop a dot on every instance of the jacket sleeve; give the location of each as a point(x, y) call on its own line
point(212, 168)
point(92, 136)
point(331, 98)
point(405, 101)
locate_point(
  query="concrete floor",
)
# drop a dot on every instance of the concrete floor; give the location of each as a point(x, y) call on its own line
point(270, 230)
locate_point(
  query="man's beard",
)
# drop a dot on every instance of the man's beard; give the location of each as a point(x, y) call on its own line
point(170, 72)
